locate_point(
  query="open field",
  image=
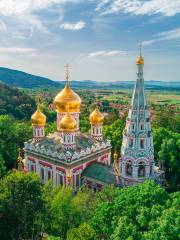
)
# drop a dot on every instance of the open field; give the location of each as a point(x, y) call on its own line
point(153, 97)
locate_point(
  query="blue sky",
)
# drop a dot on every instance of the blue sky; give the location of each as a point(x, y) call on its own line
point(98, 38)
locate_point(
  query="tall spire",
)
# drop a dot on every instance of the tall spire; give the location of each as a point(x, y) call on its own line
point(137, 147)
point(138, 100)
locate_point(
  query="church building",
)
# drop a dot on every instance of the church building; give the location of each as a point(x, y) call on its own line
point(71, 158)
point(67, 156)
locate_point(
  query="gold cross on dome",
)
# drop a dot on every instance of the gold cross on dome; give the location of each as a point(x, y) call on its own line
point(67, 72)
point(140, 48)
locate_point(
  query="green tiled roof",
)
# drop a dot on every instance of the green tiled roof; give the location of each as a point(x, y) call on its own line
point(100, 172)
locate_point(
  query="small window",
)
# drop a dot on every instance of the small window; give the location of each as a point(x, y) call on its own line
point(131, 142)
point(142, 126)
point(42, 174)
point(49, 175)
point(142, 143)
point(132, 126)
point(78, 180)
point(129, 168)
point(59, 179)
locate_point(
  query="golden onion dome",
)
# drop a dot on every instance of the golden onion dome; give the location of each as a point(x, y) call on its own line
point(67, 98)
point(68, 123)
point(96, 117)
point(38, 118)
point(139, 60)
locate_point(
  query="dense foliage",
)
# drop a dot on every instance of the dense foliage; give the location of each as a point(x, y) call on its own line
point(15, 102)
point(13, 134)
point(31, 211)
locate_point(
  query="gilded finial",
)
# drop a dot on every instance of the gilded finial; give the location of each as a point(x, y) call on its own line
point(38, 101)
point(69, 176)
point(115, 154)
point(97, 101)
point(140, 49)
point(140, 60)
point(67, 72)
point(19, 160)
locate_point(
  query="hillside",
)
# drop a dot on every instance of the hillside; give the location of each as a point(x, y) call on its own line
point(15, 102)
point(24, 80)
point(150, 85)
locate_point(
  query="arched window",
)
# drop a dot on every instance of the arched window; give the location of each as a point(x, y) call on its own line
point(42, 174)
point(141, 170)
point(142, 126)
point(59, 179)
point(49, 175)
point(141, 143)
point(131, 142)
point(129, 168)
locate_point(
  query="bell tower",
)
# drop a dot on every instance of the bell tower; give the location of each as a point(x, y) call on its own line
point(137, 153)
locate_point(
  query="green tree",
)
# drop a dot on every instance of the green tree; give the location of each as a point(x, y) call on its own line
point(60, 211)
point(167, 118)
point(131, 205)
point(21, 206)
point(83, 232)
point(13, 134)
point(2, 167)
point(114, 132)
point(170, 155)
point(125, 230)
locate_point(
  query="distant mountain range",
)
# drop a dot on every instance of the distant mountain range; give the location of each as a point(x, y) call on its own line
point(24, 80)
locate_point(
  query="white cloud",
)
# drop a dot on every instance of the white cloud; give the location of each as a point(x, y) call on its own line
point(20, 7)
point(17, 50)
point(3, 26)
point(106, 53)
point(25, 12)
point(172, 34)
point(73, 26)
point(140, 7)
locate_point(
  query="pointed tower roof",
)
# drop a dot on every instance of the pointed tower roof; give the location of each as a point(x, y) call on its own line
point(138, 98)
